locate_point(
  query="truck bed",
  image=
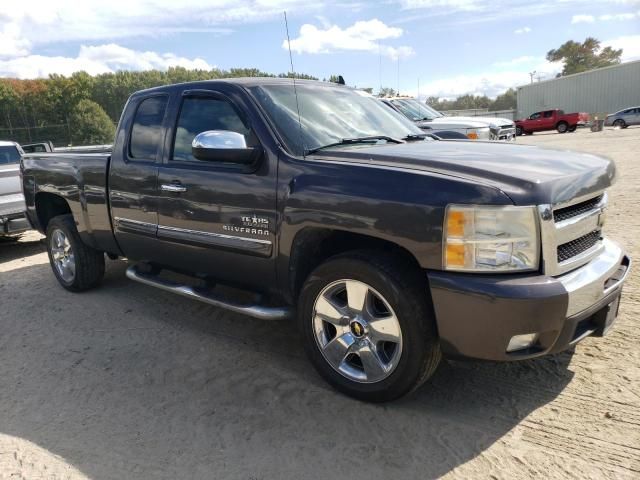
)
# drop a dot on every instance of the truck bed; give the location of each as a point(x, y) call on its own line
point(81, 179)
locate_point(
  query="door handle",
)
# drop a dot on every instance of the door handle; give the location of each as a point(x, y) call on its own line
point(173, 187)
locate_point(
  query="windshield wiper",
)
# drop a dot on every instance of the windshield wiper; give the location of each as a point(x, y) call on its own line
point(354, 141)
point(415, 136)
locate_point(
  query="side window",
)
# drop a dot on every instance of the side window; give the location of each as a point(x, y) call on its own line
point(9, 155)
point(200, 114)
point(146, 133)
point(548, 114)
point(535, 116)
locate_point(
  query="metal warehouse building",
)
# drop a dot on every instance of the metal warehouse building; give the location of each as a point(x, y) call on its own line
point(605, 90)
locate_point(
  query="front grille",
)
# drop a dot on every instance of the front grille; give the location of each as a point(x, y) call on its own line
point(578, 209)
point(575, 247)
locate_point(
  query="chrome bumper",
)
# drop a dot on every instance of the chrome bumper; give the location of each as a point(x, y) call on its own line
point(590, 284)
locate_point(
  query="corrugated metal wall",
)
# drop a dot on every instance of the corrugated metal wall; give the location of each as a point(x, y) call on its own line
point(605, 90)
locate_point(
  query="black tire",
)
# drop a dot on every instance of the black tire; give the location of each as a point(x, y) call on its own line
point(89, 263)
point(519, 131)
point(562, 127)
point(620, 123)
point(403, 286)
point(573, 129)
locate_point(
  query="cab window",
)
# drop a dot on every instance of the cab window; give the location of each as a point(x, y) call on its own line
point(146, 133)
point(9, 154)
point(535, 116)
point(200, 114)
point(548, 114)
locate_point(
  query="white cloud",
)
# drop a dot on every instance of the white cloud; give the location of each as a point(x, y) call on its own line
point(520, 31)
point(361, 36)
point(604, 18)
point(450, 4)
point(95, 60)
point(630, 45)
point(583, 19)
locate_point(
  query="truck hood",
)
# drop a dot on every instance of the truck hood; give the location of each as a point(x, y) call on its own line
point(528, 175)
point(493, 121)
point(451, 122)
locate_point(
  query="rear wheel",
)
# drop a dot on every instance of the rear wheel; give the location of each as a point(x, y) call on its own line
point(573, 129)
point(368, 326)
point(77, 266)
point(562, 127)
point(620, 123)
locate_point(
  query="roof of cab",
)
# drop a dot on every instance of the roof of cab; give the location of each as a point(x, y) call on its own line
point(243, 81)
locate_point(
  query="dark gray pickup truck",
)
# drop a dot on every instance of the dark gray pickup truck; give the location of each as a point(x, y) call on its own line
point(319, 202)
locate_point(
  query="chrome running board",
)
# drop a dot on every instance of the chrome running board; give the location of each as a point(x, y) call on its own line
point(255, 311)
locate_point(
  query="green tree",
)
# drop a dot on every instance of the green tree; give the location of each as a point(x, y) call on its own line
point(580, 57)
point(90, 124)
point(386, 92)
point(506, 101)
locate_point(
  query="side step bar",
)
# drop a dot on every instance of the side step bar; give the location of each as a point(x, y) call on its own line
point(256, 311)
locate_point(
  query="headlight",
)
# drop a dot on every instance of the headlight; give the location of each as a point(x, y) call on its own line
point(483, 133)
point(490, 238)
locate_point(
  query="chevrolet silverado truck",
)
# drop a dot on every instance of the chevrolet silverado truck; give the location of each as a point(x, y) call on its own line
point(552, 120)
point(432, 121)
point(12, 208)
point(390, 249)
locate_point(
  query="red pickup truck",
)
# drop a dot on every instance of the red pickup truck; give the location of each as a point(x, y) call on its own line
point(552, 120)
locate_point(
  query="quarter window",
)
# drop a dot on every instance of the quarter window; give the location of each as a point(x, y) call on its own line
point(146, 134)
point(200, 115)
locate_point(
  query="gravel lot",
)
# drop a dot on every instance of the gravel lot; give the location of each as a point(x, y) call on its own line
point(127, 382)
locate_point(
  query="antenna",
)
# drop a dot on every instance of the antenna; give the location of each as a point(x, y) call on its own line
point(379, 67)
point(398, 76)
point(419, 103)
point(295, 90)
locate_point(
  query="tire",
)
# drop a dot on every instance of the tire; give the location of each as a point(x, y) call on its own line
point(620, 123)
point(397, 294)
point(562, 127)
point(573, 129)
point(77, 266)
point(519, 131)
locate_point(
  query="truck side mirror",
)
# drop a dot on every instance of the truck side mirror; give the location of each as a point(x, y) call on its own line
point(223, 146)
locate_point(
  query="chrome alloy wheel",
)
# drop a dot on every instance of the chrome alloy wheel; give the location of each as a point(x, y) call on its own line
point(357, 331)
point(63, 258)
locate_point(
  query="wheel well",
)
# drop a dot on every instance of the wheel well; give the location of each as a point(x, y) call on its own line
point(561, 122)
point(312, 246)
point(49, 205)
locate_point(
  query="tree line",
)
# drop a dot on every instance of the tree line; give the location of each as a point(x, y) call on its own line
point(84, 109)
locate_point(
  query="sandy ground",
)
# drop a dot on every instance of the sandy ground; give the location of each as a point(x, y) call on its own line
point(127, 382)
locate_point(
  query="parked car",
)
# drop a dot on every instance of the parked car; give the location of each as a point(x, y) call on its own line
point(623, 118)
point(474, 128)
point(552, 120)
point(12, 206)
point(390, 249)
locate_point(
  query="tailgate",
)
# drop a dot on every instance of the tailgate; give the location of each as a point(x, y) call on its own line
point(11, 198)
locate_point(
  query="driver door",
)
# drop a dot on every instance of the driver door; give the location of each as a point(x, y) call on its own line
point(216, 218)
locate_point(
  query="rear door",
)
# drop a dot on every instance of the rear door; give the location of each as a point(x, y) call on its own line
point(215, 218)
point(547, 121)
point(133, 176)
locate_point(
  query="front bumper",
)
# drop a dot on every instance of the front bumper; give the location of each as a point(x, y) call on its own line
point(477, 315)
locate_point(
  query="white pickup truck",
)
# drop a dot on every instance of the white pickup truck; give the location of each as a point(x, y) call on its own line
point(12, 206)
point(474, 128)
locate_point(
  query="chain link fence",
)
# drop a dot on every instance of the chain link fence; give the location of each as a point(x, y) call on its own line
point(59, 134)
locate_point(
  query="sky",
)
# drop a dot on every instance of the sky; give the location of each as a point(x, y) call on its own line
point(442, 48)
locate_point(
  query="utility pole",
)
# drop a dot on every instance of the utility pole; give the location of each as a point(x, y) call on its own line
point(531, 74)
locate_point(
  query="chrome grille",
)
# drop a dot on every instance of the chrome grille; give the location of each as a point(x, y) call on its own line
point(571, 232)
point(566, 213)
point(580, 245)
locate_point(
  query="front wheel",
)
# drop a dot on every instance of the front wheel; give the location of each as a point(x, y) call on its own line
point(76, 266)
point(619, 123)
point(368, 326)
point(519, 131)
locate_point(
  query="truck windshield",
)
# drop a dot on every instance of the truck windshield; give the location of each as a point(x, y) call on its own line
point(328, 115)
point(415, 110)
point(9, 154)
